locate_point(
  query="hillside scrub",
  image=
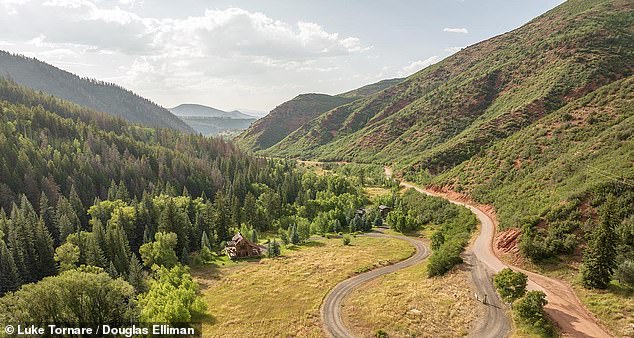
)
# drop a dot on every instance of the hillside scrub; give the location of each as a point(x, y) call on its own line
point(453, 225)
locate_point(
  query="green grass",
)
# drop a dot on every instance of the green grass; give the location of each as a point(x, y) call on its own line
point(408, 304)
point(281, 296)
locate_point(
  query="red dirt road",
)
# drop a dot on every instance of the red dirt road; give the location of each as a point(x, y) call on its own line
point(564, 307)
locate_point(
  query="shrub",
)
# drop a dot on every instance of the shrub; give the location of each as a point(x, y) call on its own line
point(510, 285)
point(530, 308)
point(445, 258)
point(381, 334)
point(346, 240)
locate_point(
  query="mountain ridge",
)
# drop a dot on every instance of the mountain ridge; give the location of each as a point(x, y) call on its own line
point(97, 95)
point(293, 114)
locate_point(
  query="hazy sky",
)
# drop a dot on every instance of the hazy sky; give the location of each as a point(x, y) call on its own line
point(251, 54)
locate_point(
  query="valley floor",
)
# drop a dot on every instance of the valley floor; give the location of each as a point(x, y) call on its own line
point(407, 304)
point(281, 296)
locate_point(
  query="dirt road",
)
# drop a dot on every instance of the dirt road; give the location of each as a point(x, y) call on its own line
point(331, 306)
point(563, 306)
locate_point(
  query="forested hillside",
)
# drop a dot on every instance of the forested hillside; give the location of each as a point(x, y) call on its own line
point(99, 211)
point(97, 95)
point(290, 115)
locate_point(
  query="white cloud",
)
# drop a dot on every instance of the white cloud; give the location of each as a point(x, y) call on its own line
point(230, 53)
point(415, 66)
point(456, 30)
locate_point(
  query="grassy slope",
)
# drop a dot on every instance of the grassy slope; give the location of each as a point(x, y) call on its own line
point(287, 117)
point(291, 115)
point(408, 304)
point(558, 158)
point(281, 296)
point(448, 112)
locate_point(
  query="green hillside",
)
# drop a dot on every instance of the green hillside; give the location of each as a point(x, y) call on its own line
point(558, 171)
point(537, 122)
point(290, 115)
point(93, 94)
point(450, 111)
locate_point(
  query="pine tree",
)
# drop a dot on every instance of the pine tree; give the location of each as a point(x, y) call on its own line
point(78, 206)
point(249, 211)
point(122, 192)
point(599, 259)
point(9, 278)
point(184, 259)
point(48, 216)
point(293, 234)
point(136, 276)
point(112, 190)
point(274, 249)
point(67, 220)
point(112, 270)
point(174, 220)
point(221, 219)
point(204, 242)
point(94, 253)
point(44, 251)
point(117, 248)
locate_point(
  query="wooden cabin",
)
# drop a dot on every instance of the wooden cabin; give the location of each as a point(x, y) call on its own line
point(384, 209)
point(240, 247)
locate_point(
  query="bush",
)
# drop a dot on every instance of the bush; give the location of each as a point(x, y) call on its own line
point(437, 240)
point(346, 240)
point(381, 334)
point(172, 298)
point(57, 300)
point(530, 308)
point(510, 285)
point(445, 258)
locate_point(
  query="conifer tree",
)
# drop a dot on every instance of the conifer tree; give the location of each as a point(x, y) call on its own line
point(48, 216)
point(293, 234)
point(184, 258)
point(249, 211)
point(9, 277)
point(94, 252)
point(221, 219)
point(112, 190)
point(136, 276)
point(117, 248)
point(599, 259)
point(67, 220)
point(78, 206)
point(174, 220)
point(44, 251)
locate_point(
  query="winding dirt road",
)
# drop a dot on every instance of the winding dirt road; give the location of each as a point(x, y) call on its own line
point(331, 306)
point(564, 307)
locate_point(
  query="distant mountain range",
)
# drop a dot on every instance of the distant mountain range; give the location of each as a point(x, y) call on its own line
point(290, 115)
point(199, 110)
point(211, 121)
point(97, 95)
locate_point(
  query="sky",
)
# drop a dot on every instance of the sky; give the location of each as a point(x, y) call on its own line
point(251, 54)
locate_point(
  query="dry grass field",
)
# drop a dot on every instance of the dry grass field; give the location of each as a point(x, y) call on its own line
point(281, 297)
point(408, 304)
